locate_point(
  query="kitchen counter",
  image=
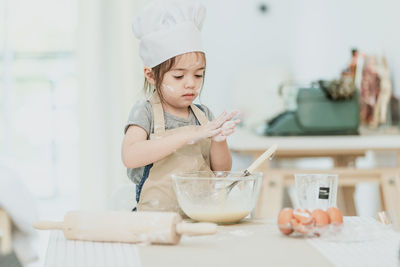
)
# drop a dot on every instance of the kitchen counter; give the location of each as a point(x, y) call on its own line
point(250, 243)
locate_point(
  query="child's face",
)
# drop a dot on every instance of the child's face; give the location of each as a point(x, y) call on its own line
point(181, 85)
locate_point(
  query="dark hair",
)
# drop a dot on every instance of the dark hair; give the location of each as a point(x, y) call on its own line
point(159, 72)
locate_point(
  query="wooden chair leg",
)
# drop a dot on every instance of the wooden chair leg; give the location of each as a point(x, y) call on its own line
point(5, 232)
point(348, 195)
point(391, 196)
point(340, 202)
point(381, 196)
point(270, 199)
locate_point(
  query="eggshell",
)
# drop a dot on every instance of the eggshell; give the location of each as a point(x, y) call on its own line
point(335, 215)
point(303, 216)
point(321, 218)
point(284, 221)
point(301, 228)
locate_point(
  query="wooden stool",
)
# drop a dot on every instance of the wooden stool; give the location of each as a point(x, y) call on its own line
point(344, 150)
point(270, 201)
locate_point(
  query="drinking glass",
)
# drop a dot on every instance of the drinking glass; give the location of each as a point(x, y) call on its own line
point(316, 191)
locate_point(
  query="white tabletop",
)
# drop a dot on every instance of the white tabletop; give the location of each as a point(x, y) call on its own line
point(373, 245)
point(71, 253)
point(370, 244)
point(245, 140)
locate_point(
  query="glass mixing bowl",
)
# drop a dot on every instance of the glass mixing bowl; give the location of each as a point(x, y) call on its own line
point(205, 196)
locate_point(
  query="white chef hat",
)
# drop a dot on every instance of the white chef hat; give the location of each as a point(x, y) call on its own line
point(167, 28)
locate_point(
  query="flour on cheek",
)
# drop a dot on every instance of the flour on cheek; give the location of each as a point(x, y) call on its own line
point(168, 87)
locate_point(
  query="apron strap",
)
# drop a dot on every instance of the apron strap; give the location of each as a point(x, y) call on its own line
point(199, 114)
point(158, 114)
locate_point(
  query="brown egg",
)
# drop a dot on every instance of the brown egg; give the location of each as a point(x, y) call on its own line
point(284, 221)
point(321, 218)
point(303, 216)
point(335, 215)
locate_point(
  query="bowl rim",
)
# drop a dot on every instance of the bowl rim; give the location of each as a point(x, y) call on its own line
point(181, 176)
point(316, 174)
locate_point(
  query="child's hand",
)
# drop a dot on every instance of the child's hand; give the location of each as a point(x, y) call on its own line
point(228, 128)
point(211, 129)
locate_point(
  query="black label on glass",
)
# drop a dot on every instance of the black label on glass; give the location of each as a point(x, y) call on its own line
point(323, 193)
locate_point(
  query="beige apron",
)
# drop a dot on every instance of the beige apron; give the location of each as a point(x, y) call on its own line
point(157, 193)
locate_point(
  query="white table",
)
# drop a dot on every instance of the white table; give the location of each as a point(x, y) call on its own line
point(256, 243)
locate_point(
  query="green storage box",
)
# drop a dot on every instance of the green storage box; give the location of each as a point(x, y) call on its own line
point(316, 114)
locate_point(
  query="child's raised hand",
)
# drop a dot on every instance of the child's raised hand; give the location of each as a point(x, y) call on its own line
point(228, 128)
point(213, 128)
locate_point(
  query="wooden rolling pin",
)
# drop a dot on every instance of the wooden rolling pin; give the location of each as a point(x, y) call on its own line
point(127, 227)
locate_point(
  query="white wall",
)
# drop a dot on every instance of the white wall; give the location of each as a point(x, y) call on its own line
point(110, 78)
point(249, 53)
point(326, 30)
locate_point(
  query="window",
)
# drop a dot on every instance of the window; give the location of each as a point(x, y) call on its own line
point(38, 93)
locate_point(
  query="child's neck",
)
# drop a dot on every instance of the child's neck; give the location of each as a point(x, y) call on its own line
point(178, 112)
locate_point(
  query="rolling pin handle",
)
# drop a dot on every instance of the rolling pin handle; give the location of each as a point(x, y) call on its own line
point(48, 225)
point(192, 229)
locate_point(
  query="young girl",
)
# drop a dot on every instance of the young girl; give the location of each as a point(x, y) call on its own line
point(168, 133)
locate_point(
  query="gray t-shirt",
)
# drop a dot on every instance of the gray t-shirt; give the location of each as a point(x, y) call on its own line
point(141, 115)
